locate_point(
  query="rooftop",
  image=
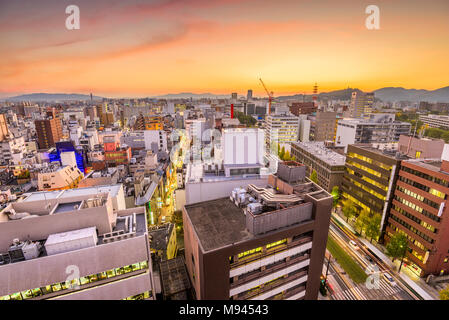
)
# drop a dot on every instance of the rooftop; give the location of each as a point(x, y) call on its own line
point(430, 164)
point(252, 211)
point(390, 153)
point(61, 194)
point(319, 150)
point(218, 223)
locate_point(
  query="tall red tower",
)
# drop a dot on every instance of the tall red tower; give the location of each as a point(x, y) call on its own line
point(315, 94)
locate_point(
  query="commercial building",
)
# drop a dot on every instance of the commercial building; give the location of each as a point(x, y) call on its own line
point(280, 129)
point(298, 108)
point(369, 179)
point(259, 243)
point(238, 161)
point(66, 177)
point(420, 148)
point(152, 122)
point(379, 128)
point(361, 104)
point(155, 140)
point(48, 132)
point(420, 210)
point(74, 245)
point(118, 156)
point(435, 121)
point(329, 165)
point(323, 126)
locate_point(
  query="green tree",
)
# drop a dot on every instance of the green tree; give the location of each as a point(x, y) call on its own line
point(287, 156)
point(444, 293)
point(336, 195)
point(348, 209)
point(373, 227)
point(293, 158)
point(397, 247)
point(314, 176)
point(362, 220)
point(282, 153)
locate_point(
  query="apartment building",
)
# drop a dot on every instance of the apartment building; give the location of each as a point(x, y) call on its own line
point(261, 242)
point(369, 178)
point(48, 132)
point(361, 104)
point(420, 211)
point(328, 164)
point(74, 245)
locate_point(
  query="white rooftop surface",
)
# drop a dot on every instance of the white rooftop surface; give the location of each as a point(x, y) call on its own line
point(71, 235)
point(319, 150)
point(61, 194)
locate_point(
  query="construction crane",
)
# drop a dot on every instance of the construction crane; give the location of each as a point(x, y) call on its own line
point(270, 96)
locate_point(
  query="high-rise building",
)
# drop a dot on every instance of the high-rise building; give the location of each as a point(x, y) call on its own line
point(280, 129)
point(249, 96)
point(361, 104)
point(48, 132)
point(259, 243)
point(369, 178)
point(234, 96)
point(420, 210)
point(80, 244)
point(379, 128)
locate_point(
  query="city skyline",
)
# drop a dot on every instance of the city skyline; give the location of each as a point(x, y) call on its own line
point(150, 48)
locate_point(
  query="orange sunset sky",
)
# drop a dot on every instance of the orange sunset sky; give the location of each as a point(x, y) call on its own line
point(144, 48)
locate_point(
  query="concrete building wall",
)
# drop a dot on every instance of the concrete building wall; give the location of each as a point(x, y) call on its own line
point(243, 146)
point(48, 270)
point(204, 191)
point(420, 148)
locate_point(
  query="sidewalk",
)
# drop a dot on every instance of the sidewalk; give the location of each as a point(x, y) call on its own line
point(417, 284)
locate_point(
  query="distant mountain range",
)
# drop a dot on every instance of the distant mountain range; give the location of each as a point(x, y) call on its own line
point(188, 95)
point(35, 97)
point(400, 94)
point(390, 94)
